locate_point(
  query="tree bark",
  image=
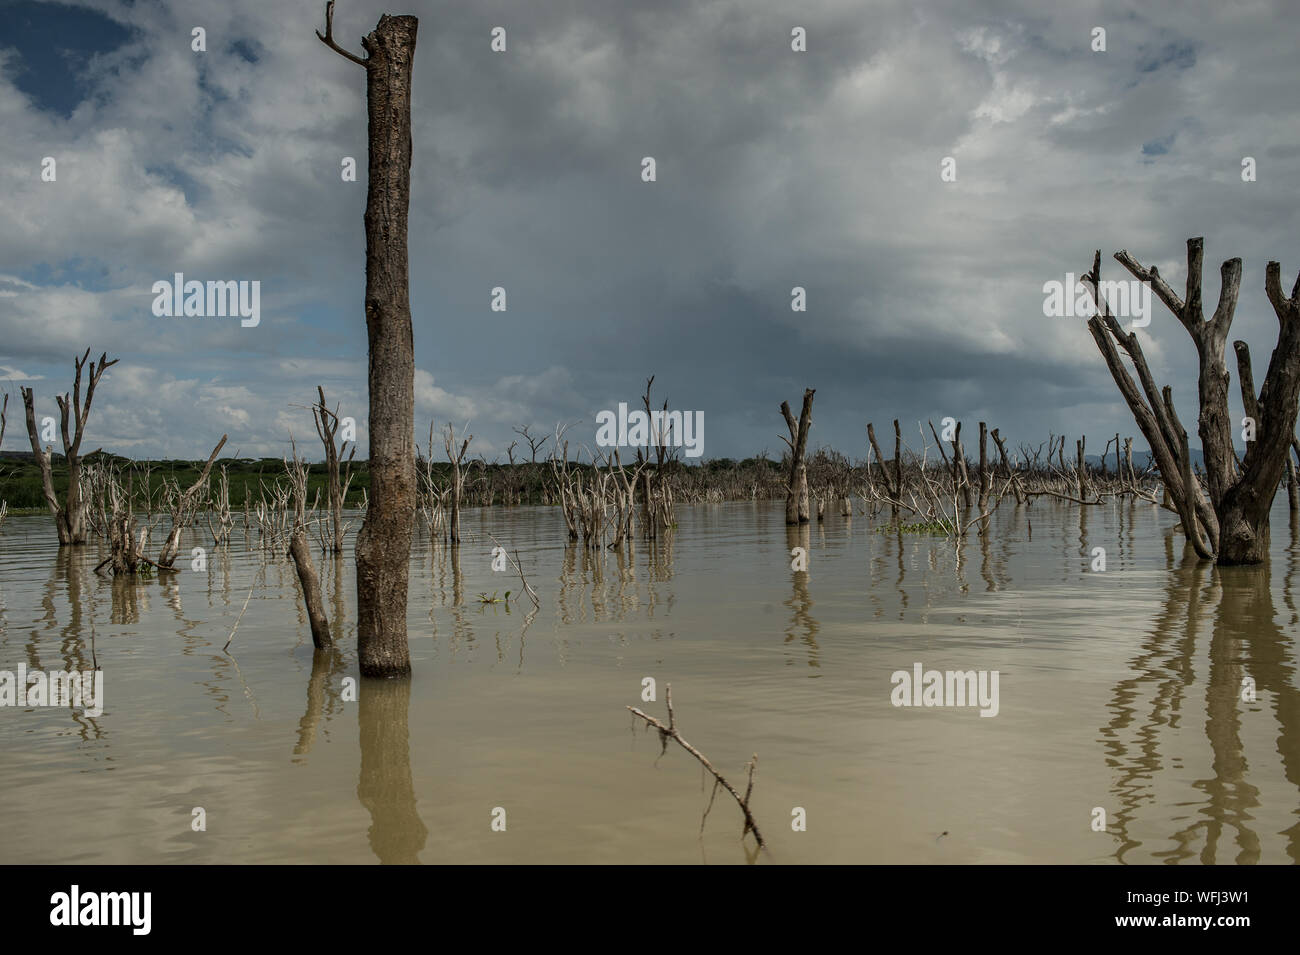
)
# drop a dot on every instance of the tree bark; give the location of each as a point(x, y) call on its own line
point(1080, 476)
point(311, 596)
point(984, 478)
point(384, 543)
point(898, 459)
point(796, 492)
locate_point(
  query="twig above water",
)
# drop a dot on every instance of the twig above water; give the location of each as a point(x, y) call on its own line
point(671, 732)
point(240, 617)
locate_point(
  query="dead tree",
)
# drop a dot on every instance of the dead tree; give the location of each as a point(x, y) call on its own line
point(384, 542)
point(219, 510)
point(327, 426)
point(1080, 477)
point(898, 457)
point(960, 474)
point(563, 482)
point(300, 551)
point(433, 495)
point(796, 491)
point(70, 516)
point(657, 506)
point(457, 476)
point(894, 490)
point(1006, 464)
point(1232, 526)
point(534, 444)
point(985, 479)
point(183, 508)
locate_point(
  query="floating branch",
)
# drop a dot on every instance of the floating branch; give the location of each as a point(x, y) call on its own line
point(670, 732)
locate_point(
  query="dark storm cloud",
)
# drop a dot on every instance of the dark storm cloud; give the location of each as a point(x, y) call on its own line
point(775, 169)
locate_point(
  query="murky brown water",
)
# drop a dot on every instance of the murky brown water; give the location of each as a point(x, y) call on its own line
point(1120, 690)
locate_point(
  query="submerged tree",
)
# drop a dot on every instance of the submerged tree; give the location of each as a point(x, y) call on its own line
point(796, 493)
point(1230, 525)
point(384, 542)
point(70, 515)
point(327, 426)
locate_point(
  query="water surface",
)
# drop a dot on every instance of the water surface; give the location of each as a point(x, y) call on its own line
point(1119, 690)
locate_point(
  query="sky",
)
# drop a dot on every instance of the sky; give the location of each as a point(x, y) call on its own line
point(774, 169)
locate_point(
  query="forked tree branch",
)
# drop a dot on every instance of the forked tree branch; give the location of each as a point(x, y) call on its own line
point(328, 38)
point(670, 732)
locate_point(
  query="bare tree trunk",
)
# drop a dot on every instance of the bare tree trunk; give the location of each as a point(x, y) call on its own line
point(984, 479)
point(893, 490)
point(960, 476)
point(1081, 484)
point(300, 551)
point(796, 492)
point(42, 457)
point(384, 543)
point(898, 459)
point(1011, 475)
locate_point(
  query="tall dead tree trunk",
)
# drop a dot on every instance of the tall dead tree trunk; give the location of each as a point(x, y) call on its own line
point(69, 516)
point(898, 458)
point(384, 543)
point(1235, 522)
point(796, 490)
point(985, 479)
point(1081, 473)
